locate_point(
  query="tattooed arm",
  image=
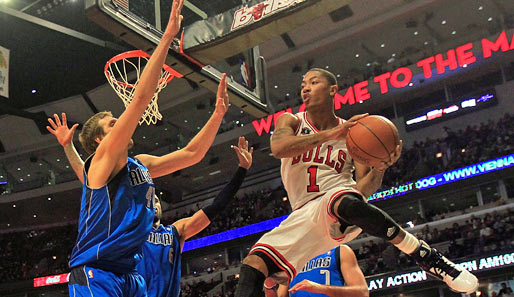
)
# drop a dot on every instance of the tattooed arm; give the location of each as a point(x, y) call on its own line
point(284, 144)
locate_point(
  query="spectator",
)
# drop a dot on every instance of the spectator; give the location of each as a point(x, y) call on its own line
point(505, 291)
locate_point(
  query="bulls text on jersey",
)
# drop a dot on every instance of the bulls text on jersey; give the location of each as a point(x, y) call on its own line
point(313, 156)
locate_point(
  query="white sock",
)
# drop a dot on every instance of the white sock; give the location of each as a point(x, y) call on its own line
point(409, 244)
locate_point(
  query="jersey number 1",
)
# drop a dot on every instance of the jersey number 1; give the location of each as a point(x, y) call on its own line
point(313, 172)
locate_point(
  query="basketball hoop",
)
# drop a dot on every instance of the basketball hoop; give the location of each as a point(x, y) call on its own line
point(120, 68)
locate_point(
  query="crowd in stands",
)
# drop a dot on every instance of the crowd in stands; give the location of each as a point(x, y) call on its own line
point(30, 254)
point(25, 255)
point(456, 149)
point(199, 288)
point(244, 210)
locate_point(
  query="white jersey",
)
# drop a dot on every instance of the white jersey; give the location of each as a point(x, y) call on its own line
point(318, 170)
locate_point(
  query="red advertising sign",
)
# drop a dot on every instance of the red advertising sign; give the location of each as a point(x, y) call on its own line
point(51, 280)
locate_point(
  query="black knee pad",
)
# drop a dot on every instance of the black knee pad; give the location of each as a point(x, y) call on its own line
point(353, 210)
point(251, 282)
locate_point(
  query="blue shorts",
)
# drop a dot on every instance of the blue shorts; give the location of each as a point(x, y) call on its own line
point(93, 282)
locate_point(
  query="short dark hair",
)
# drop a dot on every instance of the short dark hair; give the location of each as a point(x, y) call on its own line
point(326, 74)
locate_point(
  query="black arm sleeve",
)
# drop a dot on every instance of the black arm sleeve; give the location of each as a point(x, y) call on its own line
point(225, 195)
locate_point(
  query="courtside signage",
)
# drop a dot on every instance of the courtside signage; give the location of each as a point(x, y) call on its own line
point(51, 280)
point(405, 278)
point(461, 56)
point(384, 282)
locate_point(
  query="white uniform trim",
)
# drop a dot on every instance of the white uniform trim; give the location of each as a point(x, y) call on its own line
point(84, 269)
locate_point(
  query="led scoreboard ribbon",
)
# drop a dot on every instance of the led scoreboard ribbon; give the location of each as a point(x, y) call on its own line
point(445, 178)
point(374, 283)
point(404, 278)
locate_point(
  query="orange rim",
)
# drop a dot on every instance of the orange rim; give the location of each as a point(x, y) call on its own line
point(137, 54)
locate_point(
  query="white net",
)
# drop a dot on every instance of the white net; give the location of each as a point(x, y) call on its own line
point(120, 73)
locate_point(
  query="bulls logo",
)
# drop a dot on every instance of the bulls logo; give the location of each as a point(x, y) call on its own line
point(258, 10)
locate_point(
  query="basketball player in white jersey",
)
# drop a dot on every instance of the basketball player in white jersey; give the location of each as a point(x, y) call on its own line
point(329, 206)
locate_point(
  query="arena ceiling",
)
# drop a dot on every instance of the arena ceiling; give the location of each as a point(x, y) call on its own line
point(58, 64)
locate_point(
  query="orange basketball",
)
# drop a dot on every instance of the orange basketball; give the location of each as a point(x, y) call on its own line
point(372, 140)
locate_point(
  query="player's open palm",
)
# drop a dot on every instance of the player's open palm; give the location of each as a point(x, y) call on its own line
point(175, 17)
point(307, 285)
point(243, 153)
point(60, 129)
point(222, 101)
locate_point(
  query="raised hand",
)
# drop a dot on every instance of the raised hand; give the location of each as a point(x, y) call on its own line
point(222, 101)
point(60, 130)
point(243, 154)
point(339, 132)
point(175, 17)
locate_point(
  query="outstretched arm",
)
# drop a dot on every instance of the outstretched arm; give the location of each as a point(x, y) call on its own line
point(196, 149)
point(111, 153)
point(356, 285)
point(284, 144)
point(188, 227)
point(64, 136)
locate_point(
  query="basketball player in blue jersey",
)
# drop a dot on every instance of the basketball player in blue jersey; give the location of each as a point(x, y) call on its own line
point(161, 263)
point(162, 251)
point(117, 202)
point(329, 205)
point(334, 273)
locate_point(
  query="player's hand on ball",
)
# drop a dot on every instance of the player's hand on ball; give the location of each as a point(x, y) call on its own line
point(222, 101)
point(339, 132)
point(243, 154)
point(393, 158)
point(307, 285)
point(60, 129)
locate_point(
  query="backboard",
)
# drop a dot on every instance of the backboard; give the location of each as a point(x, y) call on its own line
point(218, 36)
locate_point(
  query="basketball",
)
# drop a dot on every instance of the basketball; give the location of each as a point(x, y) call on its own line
point(372, 140)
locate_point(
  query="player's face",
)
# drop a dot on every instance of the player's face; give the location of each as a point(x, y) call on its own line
point(108, 123)
point(158, 208)
point(315, 89)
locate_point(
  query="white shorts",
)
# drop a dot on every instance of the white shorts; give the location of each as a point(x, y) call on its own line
point(308, 232)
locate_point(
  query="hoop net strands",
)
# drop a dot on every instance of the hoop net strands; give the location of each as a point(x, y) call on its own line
point(118, 70)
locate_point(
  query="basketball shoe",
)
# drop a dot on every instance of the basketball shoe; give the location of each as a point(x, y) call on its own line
point(437, 265)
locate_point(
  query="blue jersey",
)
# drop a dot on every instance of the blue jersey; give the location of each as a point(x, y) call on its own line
point(115, 220)
point(324, 269)
point(161, 262)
